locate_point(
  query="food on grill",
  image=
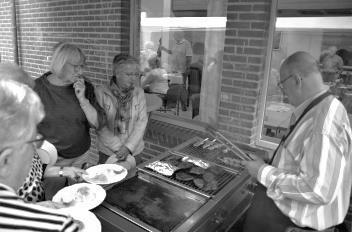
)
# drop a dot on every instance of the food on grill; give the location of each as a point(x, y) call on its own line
point(209, 143)
point(173, 161)
point(208, 176)
point(162, 167)
point(199, 182)
point(185, 165)
point(182, 176)
point(215, 169)
point(211, 186)
point(197, 162)
point(200, 143)
point(197, 170)
point(215, 146)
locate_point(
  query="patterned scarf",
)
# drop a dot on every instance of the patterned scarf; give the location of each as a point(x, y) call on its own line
point(123, 108)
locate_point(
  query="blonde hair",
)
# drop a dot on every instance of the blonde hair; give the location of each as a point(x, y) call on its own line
point(66, 52)
point(20, 112)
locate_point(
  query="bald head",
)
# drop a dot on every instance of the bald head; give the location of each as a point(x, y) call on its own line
point(13, 72)
point(301, 77)
point(301, 63)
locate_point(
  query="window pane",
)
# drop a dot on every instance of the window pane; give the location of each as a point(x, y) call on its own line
point(181, 50)
point(326, 34)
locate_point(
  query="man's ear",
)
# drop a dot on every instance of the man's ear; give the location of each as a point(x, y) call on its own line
point(6, 159)
point(298, 79)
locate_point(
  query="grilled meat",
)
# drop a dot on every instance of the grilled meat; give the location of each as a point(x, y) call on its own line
point(199, 182)
point(211, 186)
point(185, 165)
point(182, 176)
point(208, 176)
point(197, 170)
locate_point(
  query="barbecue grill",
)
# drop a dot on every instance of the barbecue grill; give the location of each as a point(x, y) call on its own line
point(151, 201)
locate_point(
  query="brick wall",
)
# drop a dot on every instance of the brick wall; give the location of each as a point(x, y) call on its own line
point(6, 49)
point(243, 67)
point(99, 27)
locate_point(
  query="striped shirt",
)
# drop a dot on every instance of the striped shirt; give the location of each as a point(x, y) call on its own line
point(16, 215)
point(310, 177)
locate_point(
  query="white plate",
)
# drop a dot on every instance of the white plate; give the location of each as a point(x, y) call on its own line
point(83, 195)
point(89, 220)
point(105, 174)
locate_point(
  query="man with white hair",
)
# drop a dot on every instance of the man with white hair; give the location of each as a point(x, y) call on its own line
point(20, 112)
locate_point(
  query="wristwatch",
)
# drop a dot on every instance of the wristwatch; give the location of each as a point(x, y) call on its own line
point(61, 172)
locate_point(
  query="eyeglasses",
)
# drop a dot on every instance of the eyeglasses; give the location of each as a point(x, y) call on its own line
point(280, 83)
point(37, 143)
point(131, 74)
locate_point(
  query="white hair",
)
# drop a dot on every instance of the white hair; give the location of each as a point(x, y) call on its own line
point(10, 71)
point(20, 112)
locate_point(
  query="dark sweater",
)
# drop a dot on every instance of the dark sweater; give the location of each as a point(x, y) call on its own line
point(65, 124)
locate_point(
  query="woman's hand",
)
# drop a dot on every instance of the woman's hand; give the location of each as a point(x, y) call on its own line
point(51, 204)
point(80, 89)
point(122, 153)
point(73, 173)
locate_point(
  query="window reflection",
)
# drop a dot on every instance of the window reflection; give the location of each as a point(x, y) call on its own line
point(181, 45)
point(326, 35)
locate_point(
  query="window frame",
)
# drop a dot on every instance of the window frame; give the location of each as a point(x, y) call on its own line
point(276, 6)
point(262, 97)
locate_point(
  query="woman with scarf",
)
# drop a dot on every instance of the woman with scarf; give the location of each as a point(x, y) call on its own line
point(123, 101)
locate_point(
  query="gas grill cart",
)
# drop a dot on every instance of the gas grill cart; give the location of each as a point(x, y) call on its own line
point(208, 190)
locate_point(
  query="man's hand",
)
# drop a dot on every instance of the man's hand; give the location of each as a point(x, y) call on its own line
point(80, 89)
point(254, 165)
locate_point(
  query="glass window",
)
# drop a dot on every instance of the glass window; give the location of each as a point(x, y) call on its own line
point(322, 28)
point(181, 46)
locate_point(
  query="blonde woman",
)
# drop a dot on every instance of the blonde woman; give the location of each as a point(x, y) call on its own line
point(70, 107)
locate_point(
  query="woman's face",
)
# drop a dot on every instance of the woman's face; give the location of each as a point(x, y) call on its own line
point(127, 77)
point(71, 71)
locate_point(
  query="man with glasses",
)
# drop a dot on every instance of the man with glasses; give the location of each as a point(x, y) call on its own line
point(20, 112)
point(306, 185)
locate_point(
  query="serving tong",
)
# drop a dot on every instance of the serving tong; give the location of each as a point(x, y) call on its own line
point(230, 146)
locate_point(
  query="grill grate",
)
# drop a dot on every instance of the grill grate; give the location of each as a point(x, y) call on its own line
point(222, 178)
point(169, 135)
point(215, 155)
